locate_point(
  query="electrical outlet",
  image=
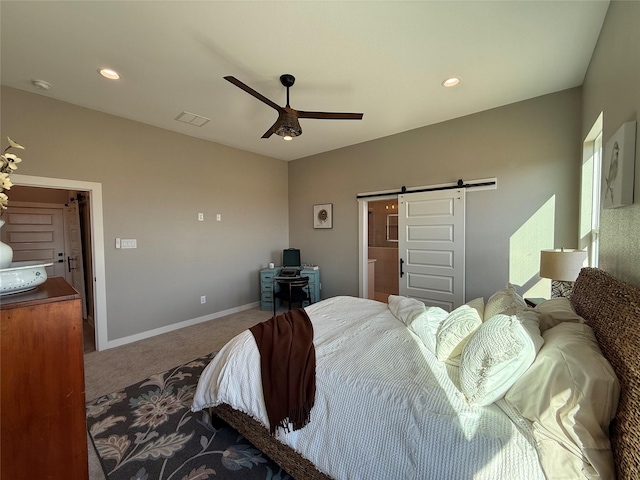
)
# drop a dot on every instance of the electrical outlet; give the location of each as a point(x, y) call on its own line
point(203, 299)
point(201, 217)
point(218, 217)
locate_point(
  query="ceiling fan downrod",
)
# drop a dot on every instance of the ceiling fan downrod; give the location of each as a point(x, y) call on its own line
point(287, 80)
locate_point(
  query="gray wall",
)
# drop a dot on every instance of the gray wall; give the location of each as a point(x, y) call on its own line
point(532, 147)
point(612, 86)
point(154, 183)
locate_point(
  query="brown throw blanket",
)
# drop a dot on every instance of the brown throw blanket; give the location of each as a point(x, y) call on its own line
point(288, 363)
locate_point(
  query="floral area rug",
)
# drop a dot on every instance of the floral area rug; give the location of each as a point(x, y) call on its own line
point(148, 432)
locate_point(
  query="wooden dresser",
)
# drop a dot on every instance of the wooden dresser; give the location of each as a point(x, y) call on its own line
point(42, 403)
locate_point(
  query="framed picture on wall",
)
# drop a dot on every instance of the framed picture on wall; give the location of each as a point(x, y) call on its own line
point(618, 167)
point(323, 215)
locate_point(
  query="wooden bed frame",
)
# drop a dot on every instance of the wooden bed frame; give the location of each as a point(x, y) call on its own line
point(610, 307)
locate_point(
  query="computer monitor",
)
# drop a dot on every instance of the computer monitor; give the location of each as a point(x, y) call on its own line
point(291, 257)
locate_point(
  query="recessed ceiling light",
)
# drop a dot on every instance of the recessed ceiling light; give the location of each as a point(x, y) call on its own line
point(451, 82)
point(44, 85)
point(108, 73)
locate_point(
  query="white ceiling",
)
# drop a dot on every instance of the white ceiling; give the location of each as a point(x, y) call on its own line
point(386, 59)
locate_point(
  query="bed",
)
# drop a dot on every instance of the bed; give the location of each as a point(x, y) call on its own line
point(425, 425)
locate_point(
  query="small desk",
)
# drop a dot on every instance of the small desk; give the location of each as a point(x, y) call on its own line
point(267, 276)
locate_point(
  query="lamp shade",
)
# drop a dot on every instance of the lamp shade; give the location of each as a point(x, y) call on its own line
point(562, 265)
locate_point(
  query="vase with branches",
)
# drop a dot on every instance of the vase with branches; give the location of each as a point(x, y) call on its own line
point(8, 164)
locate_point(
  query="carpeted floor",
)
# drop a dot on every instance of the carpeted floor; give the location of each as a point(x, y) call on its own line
point(114, 369)
point(147, 431)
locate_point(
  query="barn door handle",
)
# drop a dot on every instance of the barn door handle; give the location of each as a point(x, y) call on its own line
point(401, 270)
point(69, 264)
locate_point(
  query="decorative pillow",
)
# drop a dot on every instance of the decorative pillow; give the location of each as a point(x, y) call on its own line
point(570, 393)
point(426, 325)
point(554, 311)
point(455, 330)
point(478, 304)
point(497, 355)
point(405, 309)
point(506, 301)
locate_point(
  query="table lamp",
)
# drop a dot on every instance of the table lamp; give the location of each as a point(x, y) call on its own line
point(562, 267)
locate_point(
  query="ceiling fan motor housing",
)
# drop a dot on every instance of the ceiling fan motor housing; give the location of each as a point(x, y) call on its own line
point(288, 125)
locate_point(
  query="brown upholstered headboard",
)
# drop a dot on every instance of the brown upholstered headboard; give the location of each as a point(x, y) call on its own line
point(612, 309)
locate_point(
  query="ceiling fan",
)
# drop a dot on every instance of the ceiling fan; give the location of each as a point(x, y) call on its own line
point(287, 124)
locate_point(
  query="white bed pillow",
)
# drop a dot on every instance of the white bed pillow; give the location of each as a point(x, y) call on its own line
point(455, 330)
point(426, 325)
point(505, 301)
point(497, 355)
point(405, 309)
point(554, 311)
point(478, 304)
point(570, 393)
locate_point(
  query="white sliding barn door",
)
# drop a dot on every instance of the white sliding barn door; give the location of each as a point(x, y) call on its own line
point(431, 246)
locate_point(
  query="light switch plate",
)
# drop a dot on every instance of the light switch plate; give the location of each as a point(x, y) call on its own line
point(129, 243)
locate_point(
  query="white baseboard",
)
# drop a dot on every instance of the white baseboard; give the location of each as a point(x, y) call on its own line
point(176, 326)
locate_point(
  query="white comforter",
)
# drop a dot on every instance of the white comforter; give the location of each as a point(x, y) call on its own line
point(385, 407)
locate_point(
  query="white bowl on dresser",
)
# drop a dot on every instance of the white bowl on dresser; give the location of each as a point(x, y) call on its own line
point(22, 277)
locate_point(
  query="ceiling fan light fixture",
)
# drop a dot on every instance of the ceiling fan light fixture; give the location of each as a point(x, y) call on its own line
point(289, 126)
point(288, 131)
point(288, 138)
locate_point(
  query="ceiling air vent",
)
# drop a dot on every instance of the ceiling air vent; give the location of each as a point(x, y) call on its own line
point(192, 119)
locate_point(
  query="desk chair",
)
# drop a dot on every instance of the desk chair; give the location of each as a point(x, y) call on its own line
point(292, 290)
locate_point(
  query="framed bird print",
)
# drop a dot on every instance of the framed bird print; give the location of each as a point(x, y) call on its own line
point(618, 167)
point(323, 215)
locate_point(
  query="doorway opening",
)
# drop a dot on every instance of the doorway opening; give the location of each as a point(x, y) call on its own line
point(367, 266)
point(382, 248)
point(89, 244)
point(431, 240)
point(52, 226)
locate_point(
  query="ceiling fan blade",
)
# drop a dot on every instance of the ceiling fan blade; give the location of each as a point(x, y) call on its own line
point(251, 91)
point(330, 115)
point(272, 130)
